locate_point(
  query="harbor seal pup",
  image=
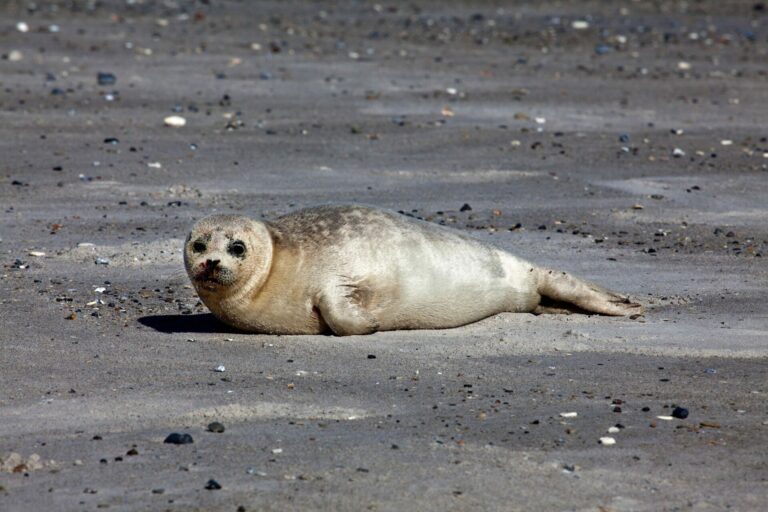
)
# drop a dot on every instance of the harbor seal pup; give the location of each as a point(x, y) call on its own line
point(352, 269)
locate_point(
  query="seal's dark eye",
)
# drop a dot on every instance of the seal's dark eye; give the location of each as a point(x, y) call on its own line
point(237, 248)
point(199, 246)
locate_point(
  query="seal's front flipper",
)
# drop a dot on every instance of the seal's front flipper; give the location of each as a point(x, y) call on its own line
point(345, 316)
point(589, 297)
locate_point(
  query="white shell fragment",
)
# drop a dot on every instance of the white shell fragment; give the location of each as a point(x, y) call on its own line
point(665, 418)
point(220, 368)
point(607, 441)
point(580, 24)
point(613, 430)
point(569, 414)
point(36, 254)
point(175, 121)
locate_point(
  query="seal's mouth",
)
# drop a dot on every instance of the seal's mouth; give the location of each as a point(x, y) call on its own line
point(211, 276)
point(209, 279)
point(209, 283)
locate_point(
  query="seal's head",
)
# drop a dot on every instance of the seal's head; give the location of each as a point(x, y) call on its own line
point(225, 254)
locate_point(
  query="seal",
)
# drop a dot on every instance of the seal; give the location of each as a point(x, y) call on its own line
point(353, 269)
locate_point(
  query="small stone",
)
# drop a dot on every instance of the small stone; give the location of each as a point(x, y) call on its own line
point(613, 430)
point(174, 121)
point(36, 254)
point(132, 452)
point(176, 438)
point(678, 153)
point(465, 208)
point(15, 56)
point(665, 418)
point(569, 414)
point(580, 24)
point(158, 491)
point(624, 138)
point(607, 441)
point(101, 261)
point(684, 66)
point(602, 49)
point(371, 356)
point(215, 427)
point(106, 78)
point(212, 485)
point(221, 368)
point(680, 413)
point(155, 165)
point(22, 26)
point(277, 451)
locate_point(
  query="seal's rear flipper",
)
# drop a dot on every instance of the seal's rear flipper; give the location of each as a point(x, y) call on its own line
point(559, 287)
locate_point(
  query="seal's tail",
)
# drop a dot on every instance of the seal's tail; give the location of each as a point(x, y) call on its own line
point(559, 290)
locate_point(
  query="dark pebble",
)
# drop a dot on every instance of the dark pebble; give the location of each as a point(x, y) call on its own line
point(371, 356)
point(111, 140)
point(465, 208)
point(602, 49)
point(132, 452)
point(624, 138)
point(106, 78)
point(176, 438)
point(680, 412)
point(158, 491)
point(212, 485)
point(215, 427)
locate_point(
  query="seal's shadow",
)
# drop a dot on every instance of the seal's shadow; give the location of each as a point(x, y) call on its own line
point(205, 322)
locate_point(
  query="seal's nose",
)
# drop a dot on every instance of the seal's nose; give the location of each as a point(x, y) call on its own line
point(211, 264)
